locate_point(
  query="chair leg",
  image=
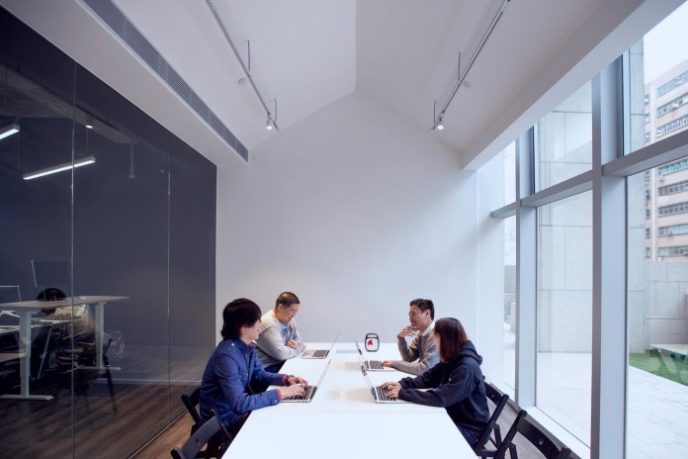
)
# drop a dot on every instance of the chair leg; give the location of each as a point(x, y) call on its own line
point(111, 388)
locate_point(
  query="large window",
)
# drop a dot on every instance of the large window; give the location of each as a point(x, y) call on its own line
point(564, 139)
point(659, 82)
point(564, 312)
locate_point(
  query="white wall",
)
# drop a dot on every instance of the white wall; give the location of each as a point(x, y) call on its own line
point(356, 211)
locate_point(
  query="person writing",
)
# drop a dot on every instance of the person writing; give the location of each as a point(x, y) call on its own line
point(234, 365)
point(457, 382)
point(279, 338)
point(421, 354)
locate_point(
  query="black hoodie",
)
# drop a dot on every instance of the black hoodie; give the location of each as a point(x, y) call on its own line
point(458, 387)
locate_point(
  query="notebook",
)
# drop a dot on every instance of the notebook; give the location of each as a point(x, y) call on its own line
point(370, 365)
point(310, 390)
point(379, 394)
point(319, 353)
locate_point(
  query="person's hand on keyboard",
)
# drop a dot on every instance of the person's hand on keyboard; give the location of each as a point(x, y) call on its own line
point(386, 363)
point(295, 390)
point(291, 380)
point(391, 389)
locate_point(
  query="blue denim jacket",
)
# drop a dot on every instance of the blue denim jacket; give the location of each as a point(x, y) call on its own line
point(230, 369)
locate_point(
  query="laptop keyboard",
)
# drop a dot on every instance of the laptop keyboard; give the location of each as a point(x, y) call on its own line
point(381, 394)
point(305, 396)
point(320, 354)
point(375, 365)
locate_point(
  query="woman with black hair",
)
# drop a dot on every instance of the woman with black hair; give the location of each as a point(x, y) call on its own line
point(234, 365)
point(457, 382)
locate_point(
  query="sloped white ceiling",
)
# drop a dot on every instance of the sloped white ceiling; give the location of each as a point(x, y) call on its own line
point(309, 53)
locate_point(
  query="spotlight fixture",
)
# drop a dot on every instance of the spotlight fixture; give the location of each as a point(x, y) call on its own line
point(268, 124)
point(462, 73)
point(88, 126)
point(60, 168)
point(9, 130)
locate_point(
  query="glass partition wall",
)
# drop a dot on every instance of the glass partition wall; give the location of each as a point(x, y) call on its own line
point(106, 265)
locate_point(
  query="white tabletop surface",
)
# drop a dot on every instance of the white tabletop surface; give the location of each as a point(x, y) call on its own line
point(76, 300)
point(343, 421)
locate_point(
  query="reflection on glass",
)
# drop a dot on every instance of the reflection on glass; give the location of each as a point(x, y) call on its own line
point(659, 81)
point(564, 313)
point(657, 325)
point(564, 140)
point(37, 321)
point(509, 374)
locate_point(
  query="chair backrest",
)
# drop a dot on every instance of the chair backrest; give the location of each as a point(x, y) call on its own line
point(500, 400)
point(198, 439)
point(539, 439)
point(191, 402)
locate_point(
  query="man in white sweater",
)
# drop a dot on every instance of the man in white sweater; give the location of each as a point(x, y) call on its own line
point(279, 339)
point(422, 353)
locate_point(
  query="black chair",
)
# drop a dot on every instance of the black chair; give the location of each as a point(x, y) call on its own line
point(500, 400)
point(191, 402)
point(539, 439)
point(211, 433)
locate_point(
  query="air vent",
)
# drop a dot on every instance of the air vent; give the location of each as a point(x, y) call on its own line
point(111, 15)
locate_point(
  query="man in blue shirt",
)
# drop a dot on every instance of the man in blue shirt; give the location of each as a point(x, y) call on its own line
point(234, 365)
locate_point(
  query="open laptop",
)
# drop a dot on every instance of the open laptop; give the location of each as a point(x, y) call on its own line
point(310, 390)
point(370, 365)
point(379, 395)
point(318, 353)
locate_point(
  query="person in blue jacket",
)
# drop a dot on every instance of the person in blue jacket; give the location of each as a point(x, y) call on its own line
point(234, 365)
point(457, 382)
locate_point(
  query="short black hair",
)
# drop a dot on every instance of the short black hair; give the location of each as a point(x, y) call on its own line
point(424, 305)
point(241, 312)
point(286, 299)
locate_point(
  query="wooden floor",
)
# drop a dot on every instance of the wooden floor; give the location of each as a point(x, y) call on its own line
point(174, 436)
point(101, 428)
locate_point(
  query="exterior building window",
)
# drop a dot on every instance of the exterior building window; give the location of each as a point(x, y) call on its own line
point(673, 167)
point(664, 231)
point(671, 106)
point(672, 126)
point(673, 188)
point(673, 251)
point(647, 233)
point(672, 84)
point(674, 209)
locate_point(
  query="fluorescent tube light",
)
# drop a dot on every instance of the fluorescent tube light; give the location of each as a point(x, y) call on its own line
point(60, 168)
point(9, 130)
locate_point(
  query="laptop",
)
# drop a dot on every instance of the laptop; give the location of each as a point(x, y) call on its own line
point(379, 395)
point(370, 365)
point(307, 397)
point(319, 353)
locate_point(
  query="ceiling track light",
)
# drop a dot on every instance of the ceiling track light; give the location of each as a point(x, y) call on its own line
point(9, 130)
point(272, 120)
point(438, 118)
point(60, 168)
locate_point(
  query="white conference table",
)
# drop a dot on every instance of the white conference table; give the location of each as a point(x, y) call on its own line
point(343, 420)
point(25, 309)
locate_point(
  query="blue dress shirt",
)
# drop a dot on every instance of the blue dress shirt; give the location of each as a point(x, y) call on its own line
point(230, 369)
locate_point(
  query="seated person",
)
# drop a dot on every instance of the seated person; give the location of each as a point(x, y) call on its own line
point(457, 382)
point(421, 354)
point(279, 339)
point(233, 365)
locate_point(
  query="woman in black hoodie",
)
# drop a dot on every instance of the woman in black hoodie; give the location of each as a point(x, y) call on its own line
point(457, 381)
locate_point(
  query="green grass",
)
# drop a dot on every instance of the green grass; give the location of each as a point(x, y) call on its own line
point(673, 368)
